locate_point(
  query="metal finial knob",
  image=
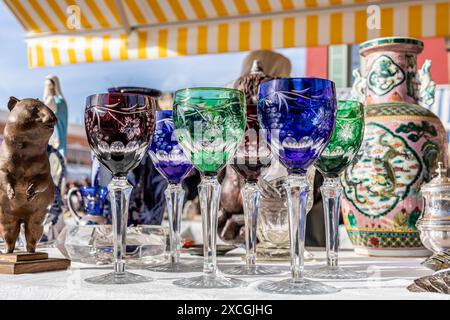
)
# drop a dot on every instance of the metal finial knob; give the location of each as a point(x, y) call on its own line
point(441, 171)
point(256, 67)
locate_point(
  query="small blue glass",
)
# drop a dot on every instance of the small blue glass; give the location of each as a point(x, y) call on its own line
point(298, 115)
point(170, 160)
point(93, 201)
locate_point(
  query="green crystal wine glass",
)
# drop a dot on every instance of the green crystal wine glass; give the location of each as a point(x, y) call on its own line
point(209, 125)
point(339, 154)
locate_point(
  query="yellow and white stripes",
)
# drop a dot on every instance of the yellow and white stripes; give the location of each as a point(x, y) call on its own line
point(205, 26)
point(42, 16)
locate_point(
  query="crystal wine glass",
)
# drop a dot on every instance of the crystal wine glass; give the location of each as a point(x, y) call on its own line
point(170, 161)
point(298, 115)
point(251, 158)
point(339, 153)
point(209, 124)
point(119, 129)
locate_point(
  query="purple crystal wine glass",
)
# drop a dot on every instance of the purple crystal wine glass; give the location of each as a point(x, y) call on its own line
point(299, 115)
point(119, 129)
point(169, 159)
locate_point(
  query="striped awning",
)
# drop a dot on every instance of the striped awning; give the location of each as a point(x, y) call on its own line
point(150, 29)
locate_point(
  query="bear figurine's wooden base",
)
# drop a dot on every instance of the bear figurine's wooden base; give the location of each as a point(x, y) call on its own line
point(24, 262)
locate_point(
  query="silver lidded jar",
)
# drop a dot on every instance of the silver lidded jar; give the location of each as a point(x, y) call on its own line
point(434, 223)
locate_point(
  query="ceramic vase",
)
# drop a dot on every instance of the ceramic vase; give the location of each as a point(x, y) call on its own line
point(403, 141)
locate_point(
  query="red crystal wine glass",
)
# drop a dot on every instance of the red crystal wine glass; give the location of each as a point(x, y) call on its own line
point(119, 128)
point(251, 158)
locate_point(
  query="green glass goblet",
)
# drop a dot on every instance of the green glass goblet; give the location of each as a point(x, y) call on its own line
point(209, 125)
point(338, 155)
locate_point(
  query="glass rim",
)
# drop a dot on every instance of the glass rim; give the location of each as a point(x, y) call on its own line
point(208, 89)
point(344, 106)
point(137, 95)
point(352, 101)
point(163, 112)
point(292, 79)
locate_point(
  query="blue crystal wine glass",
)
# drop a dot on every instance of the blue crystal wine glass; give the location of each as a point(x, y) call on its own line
point(170, 160)
point(299, 115)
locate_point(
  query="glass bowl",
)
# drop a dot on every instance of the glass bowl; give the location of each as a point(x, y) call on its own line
point(93, 244)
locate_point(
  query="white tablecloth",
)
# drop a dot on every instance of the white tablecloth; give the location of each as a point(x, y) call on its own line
point(389, 279)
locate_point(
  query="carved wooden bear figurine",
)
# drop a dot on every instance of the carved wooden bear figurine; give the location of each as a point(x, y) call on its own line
point(26, 186)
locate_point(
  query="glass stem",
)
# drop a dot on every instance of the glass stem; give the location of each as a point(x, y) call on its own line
point(209, 194)
point(297, 198)
point(251, 196)
point(175, 198)
point(119, 192)
point(331, 190)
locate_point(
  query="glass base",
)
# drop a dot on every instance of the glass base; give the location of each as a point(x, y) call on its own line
point(290, 286)
point(334, 273)
point(210, 282)
point(118, 278)
point(278, 254)
point(181, 267)
point(251, 270)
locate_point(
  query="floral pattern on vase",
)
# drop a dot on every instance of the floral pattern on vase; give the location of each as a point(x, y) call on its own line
point(385, 75)
point(402, 143)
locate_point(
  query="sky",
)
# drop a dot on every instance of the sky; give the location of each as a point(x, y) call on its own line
point(82, 80)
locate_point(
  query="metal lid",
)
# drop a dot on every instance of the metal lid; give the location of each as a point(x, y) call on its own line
point(441, 181)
